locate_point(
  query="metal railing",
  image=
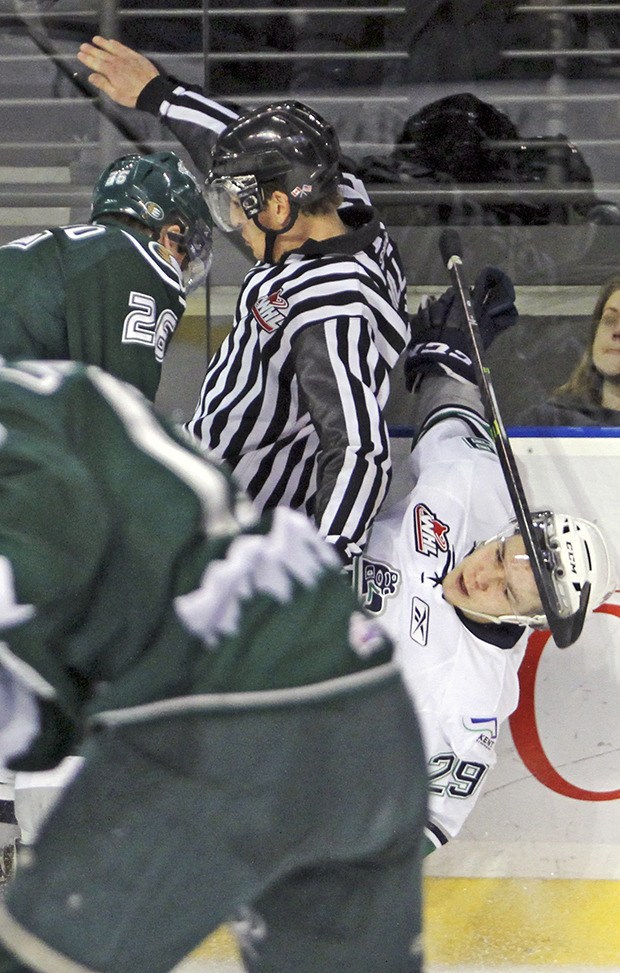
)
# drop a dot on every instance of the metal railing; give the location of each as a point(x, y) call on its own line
point(114, 135)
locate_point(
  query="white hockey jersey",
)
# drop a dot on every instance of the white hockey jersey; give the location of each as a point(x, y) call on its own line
point(461, 675)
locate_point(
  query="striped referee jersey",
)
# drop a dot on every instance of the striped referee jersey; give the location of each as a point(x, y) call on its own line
point(293, 399)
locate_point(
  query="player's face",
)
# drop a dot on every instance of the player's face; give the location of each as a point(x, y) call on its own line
point(606, 345)
point(172, 246)
point(495, 579)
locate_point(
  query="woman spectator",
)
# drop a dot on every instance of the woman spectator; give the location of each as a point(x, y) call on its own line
point(591, 394)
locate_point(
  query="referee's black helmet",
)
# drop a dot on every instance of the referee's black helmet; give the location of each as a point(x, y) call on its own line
point(286, 143)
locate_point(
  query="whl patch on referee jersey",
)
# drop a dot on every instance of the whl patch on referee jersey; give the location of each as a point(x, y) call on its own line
point(270, 311)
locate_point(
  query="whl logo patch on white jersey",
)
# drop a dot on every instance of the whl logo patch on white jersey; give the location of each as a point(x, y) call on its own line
point(430, 533)
point(270, 311)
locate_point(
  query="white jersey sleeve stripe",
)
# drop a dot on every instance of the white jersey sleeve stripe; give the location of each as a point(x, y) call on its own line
point(183, 114)
point(215, 107)
point(168, 272)
point(476, 423)
point(352, 189)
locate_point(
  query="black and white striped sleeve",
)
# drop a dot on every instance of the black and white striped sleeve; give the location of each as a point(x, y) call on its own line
point(194, 119)
point(353, 190)
point(334, 363)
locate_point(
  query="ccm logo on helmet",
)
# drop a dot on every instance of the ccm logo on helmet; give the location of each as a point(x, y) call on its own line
point(571, 557)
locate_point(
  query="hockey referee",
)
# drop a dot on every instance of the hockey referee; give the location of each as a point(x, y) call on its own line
point(293, 400)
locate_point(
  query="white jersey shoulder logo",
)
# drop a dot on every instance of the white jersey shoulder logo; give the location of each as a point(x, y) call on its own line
point(376, 582)
point(430, 533)
point(485, 728)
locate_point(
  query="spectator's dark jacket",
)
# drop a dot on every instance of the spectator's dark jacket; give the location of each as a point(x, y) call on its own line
point(569, 411)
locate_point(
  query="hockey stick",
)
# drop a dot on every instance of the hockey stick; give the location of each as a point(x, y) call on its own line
point(565, 627)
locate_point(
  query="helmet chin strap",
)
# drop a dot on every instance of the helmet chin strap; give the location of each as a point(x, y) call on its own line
point(272, 235)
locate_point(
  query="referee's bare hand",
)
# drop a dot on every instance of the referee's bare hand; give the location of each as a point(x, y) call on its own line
point(118, 71)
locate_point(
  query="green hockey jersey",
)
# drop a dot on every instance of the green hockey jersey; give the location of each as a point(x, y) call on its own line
point(97, 293)
point(132, 569)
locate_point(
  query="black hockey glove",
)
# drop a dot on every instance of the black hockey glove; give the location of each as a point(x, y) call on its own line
point(493, 303)
point(440, 343)
point(437, 351)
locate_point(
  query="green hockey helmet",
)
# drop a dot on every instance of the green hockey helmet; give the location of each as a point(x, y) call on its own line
point(159, 190)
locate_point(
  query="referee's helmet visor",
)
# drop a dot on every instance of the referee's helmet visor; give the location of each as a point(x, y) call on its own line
point(232, 199)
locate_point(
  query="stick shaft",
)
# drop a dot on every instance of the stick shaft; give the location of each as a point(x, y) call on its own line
point(565, 629)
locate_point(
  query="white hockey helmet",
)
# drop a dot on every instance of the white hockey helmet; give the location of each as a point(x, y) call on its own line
point(574, 552)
